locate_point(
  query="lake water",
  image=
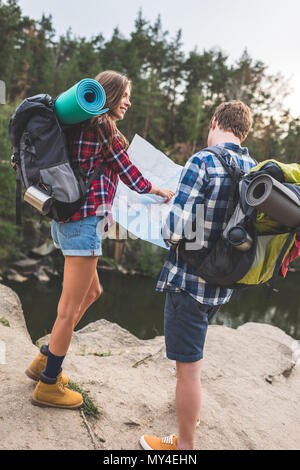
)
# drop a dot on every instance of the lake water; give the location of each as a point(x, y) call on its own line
point(131, 302)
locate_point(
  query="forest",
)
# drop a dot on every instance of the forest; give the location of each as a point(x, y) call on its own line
point(174, 93)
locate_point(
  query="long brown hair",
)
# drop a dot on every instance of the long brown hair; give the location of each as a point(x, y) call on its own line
point(114, 85)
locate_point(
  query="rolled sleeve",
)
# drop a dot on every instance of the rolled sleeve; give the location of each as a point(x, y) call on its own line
point(118, 159)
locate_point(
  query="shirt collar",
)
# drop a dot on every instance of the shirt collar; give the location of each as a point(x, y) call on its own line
point(234, 147)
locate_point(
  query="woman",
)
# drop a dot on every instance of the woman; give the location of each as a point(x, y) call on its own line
point(96, 141)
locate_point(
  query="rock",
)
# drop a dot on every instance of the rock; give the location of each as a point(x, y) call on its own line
point(51, 271)
point(42, 275)
point(13, 275)
point(240, 409)
point(269, 379)
point(106, 264)
point(26, 266)
point(32, 234)
point(35, 232)
point(45, 249)
point(122, 269)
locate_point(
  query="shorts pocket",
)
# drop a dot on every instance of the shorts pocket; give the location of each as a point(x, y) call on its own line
point(70, 229)
point(53, 232)
point(175, 300)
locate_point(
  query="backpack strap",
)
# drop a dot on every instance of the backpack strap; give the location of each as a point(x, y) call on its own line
point(69, 131)
point(280, 259)
point(98, 172)
point(18, 198)
point(233, 170)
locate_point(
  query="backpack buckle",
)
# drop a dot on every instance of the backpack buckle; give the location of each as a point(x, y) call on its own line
point(14, 160)
point(230, 160)
point(28, 139)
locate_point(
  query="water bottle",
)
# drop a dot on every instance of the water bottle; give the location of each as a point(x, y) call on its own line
point(38, 199)
point(239, 238)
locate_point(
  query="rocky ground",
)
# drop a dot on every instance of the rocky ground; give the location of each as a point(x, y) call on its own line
point(250, 384)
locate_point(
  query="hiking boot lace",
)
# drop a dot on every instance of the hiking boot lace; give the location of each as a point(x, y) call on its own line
point(168, 439)
point(60, 384)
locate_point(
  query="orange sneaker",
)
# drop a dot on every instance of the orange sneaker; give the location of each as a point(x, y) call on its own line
point(159, 443)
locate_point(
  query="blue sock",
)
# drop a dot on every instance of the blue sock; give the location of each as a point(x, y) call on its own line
point(53, 366)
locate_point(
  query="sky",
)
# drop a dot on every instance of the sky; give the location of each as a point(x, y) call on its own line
point(269, 29)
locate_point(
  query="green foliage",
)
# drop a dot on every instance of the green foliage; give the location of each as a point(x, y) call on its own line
point(7, 175)
point(173, 97)
point(173, 94)
point(9, 234)
point(291, 142)
point(144, 257)
point(10, 240)
point(295, 264)
point(101, 354)
point(4, 321)
point(89, 408)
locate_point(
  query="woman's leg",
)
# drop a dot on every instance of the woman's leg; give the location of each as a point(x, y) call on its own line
point(92, 295)
point(79, 274)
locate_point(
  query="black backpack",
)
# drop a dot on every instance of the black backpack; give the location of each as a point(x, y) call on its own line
point(54, 184)
point(237, 265)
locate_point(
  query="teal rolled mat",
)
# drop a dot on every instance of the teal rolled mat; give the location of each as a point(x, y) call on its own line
point(82, 101)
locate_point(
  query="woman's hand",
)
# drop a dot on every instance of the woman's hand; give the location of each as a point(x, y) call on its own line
point(167, 194)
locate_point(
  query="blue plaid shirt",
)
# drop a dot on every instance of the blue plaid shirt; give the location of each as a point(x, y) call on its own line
point(204, 183)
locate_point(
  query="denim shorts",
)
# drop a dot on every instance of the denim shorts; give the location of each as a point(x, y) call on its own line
point(185, 326)
point(78, 238)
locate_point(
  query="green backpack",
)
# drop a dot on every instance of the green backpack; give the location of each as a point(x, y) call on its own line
point(253, 246)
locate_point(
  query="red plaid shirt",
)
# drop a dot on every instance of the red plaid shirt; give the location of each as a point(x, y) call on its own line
point(101, 194)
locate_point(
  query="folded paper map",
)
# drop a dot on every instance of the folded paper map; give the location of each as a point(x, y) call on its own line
point(143, 214)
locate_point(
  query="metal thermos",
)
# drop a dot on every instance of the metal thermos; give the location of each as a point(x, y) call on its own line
point(36, 198)
point(239, 238)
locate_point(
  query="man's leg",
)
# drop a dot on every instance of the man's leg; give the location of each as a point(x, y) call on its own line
point(185, 327)
point(188, 402)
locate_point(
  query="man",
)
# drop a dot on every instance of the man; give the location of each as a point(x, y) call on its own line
point(190, 301)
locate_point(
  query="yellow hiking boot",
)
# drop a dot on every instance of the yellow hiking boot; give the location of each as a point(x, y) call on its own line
point(52, 392)
point(159, 443)
point(39, 364)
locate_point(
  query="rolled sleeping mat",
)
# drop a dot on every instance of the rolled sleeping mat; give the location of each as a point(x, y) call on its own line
point(82, 101)
point(274, 199)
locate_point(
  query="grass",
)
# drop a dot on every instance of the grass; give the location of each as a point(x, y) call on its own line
point(101, 354)
point(4, 321)
point(89, 408)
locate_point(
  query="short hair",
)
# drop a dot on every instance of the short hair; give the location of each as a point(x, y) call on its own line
point(234, 116)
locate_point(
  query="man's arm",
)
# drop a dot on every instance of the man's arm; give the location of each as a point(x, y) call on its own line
point(188, 201)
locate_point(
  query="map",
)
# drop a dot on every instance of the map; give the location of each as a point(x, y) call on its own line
point(142, 215)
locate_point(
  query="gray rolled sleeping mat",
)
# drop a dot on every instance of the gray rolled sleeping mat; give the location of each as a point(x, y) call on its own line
point(274, 199)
